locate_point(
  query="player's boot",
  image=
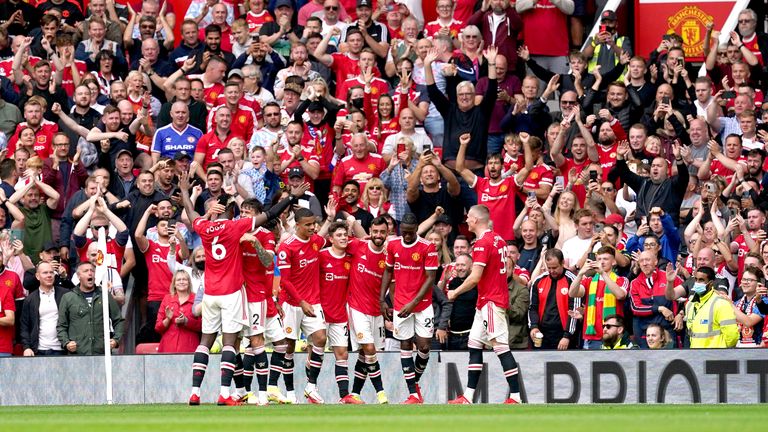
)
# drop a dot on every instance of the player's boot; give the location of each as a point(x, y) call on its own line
point(227, 401)
point(351, 399)
point(251, 399)
point(511, 401)
point(382, 398)
point(412, 400)
point(291, 400)
point(418, 392)
point(313, 396)
point(194, 400)
point(461, 400)
point(274, 395)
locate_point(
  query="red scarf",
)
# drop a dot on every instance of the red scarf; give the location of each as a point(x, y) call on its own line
point(561, 297)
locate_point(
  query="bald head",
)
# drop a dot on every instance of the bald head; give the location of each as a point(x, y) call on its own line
point(705, 258)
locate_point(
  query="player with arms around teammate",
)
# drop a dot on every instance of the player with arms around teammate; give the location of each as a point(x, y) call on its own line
point(489, 327)
point(366, 322)
point(299, 261)
point(412, 260)
point(223, 302)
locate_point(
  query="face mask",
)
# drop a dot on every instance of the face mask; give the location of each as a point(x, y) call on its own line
point(200, 265)
point(699, 288)
point(358, 103)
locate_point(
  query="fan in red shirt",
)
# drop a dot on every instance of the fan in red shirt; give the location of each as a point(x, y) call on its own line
point(223, 303)
point(156, 255)
point(489, 273)
point(360, 166)
point(412, 262)
point(257, 16)
point(365, 78)
point(723, 164)
point(445, 24)
point(335, 267)
point(210, 144)
point(344, 65)
point(610, 135)
point(9, 285)
point(177, 325)
point(299, 263)
point(583, 152)
point(243, 118)
point(495, 192)
point(541, 177)
point(365, 319)
point(212, 80)
point(44, 129)
point(294, 152)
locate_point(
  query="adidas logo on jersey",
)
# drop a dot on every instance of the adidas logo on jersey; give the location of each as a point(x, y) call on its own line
point(329, 265)
point(301, 252)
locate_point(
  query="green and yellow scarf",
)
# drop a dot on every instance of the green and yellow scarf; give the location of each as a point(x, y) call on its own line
point(609, 303)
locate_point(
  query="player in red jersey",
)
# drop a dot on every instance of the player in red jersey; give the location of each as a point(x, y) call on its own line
point(494, 191)
point(299, 263)
point(223, 303)
point(258, 248)
point(366, 323)
point(335, 265)
point(412, 261)
point(489, 273)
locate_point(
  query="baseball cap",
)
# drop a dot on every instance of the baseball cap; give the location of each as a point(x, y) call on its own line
point(123, 151)
point(296, 172)
point(280, 3)
point(443, 218)
point(49, 245)
point(613, 219)
point(364, 3)
point(181, 155)
point(315, 106)
point(608, 15)
point(238, 72)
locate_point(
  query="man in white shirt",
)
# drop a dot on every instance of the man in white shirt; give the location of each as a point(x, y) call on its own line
point(40, 315)
point(421, 140)
point(576, 248)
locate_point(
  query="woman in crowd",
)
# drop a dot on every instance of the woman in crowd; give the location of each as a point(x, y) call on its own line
point(748, 317)
point(375, 198)
point(179, 329)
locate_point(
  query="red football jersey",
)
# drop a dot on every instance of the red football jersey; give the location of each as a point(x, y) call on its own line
point(365, 280)
point(256, 20)
point(156, 257)
point(361, 170)
point(542, 174)
point(211, 145)
point(578, 189)
point(513, 161)
point(299, 264)
point(410, 263)
point(378, 87)
point(257, 277)
point(43, 138)
point(334, 272)
point(345, 67)
point(500, 200)
point(67, 80)
point(490, 252)
point(112, 249)
point(211, 92)
point(607, 158)
point(9, 283)
point(432, 28)
point(243, 122)
point(223, 262)
point(717, 168)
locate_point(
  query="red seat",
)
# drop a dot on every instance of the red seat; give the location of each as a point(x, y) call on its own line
point(147, 348)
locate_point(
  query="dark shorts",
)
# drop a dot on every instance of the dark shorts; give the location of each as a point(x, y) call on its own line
point(579, 8)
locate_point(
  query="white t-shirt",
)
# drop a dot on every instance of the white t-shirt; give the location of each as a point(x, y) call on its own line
point(573, 249)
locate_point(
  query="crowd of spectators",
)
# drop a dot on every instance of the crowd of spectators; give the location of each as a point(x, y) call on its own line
point(631, 191)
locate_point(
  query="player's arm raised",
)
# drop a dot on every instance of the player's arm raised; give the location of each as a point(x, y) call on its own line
point(189, 208)
point(141, 229)
point(277, 209)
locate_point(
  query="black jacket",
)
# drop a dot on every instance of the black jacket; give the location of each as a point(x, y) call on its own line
point(30, 317)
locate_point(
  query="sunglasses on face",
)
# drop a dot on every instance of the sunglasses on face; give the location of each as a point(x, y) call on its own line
point(332, 8)
point(610, 326)
point(374, 188)
point(568, 102)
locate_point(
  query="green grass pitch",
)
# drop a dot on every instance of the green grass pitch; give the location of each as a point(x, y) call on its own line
point(443, 418)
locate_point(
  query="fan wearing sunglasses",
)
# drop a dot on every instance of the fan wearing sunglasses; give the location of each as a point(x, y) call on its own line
point(613, 334)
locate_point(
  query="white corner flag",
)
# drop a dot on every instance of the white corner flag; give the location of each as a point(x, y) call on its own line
point(103, 280)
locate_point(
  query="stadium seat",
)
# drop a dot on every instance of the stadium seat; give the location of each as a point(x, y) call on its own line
point(147, 348)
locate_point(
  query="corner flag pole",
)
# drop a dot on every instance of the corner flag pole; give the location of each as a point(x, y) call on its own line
point(102, 279)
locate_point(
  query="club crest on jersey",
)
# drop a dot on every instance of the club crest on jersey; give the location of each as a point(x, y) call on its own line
point(359, 336)
point(241, 119)
point(8, 283)
point(347, 266)
point(534, 175)
point(563, 291)
point(99, 258)
point(415, 256)
point(315, 247)
point(371, 167)
point(382, 264)
point(214, 95)
point(288, 330)
point(190, 139)
point(503, 188)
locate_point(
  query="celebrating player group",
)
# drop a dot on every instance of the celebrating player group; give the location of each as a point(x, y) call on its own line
point(336, 288)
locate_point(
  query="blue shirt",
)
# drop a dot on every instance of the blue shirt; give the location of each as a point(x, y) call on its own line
point(167, 140)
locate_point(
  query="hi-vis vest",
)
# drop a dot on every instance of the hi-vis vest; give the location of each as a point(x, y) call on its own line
point(711, 322)
point(596, 53)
